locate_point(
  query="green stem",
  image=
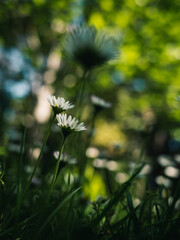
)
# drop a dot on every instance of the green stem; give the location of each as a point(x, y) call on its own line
point(56, 170)
point(81, 96)
point(19, 182)
point(40, 155)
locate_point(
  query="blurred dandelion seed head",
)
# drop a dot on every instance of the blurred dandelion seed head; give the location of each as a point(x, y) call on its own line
point(89, 48)
point(68, 124)
point(59, 104)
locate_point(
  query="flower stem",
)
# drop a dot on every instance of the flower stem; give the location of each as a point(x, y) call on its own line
point(56, 169)
point(82, 90)
point(40, 155)
point(19, 180)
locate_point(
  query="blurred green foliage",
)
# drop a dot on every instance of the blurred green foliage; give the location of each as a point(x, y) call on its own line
point(142, 125)
point(142, 84)
point(145, 77)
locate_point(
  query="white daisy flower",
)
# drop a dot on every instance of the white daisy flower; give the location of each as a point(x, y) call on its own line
point(99, 102)
point(59, 104)
point(69, 124)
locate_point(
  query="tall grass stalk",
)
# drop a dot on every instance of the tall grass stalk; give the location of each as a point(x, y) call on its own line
point(19, 180)
point(61, 204)
point(118, 195)
point(40, 155)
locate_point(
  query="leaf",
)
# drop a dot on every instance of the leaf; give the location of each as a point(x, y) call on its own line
point(48, 220)
point(133, 213)
point(118, 195)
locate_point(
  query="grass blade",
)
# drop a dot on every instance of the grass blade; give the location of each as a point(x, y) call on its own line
point(132, 212)
point(19, 180)
point(11, 229)
point(48, 220)
point(117, 196)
